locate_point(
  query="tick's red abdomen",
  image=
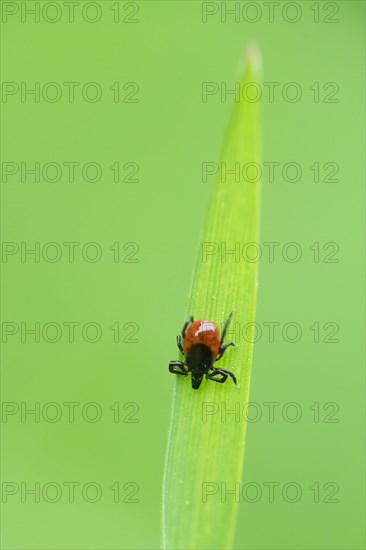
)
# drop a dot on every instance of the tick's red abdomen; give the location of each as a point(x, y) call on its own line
point(203, 332)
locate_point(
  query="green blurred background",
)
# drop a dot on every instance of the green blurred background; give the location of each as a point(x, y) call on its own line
point(169, 51)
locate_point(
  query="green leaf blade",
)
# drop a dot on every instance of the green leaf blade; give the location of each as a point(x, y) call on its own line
point(206, 447)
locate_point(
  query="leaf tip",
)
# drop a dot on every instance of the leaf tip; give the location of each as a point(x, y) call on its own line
point(254, 57)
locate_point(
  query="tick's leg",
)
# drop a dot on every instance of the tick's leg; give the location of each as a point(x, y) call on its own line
point(212, 375)
point(223, 348)
point(179, 343)
point(224, 374)
point(189, 320)
point(226, 325)
point(177, 367)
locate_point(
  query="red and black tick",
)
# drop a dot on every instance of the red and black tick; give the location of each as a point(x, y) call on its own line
point(202, 347)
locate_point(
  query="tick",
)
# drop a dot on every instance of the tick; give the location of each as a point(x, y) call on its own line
point(202, 347)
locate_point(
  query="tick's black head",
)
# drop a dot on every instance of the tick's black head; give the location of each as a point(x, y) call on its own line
point(196, 380)
point(199, 360)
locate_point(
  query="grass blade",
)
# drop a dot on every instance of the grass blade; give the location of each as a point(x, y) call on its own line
point(205, 449)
